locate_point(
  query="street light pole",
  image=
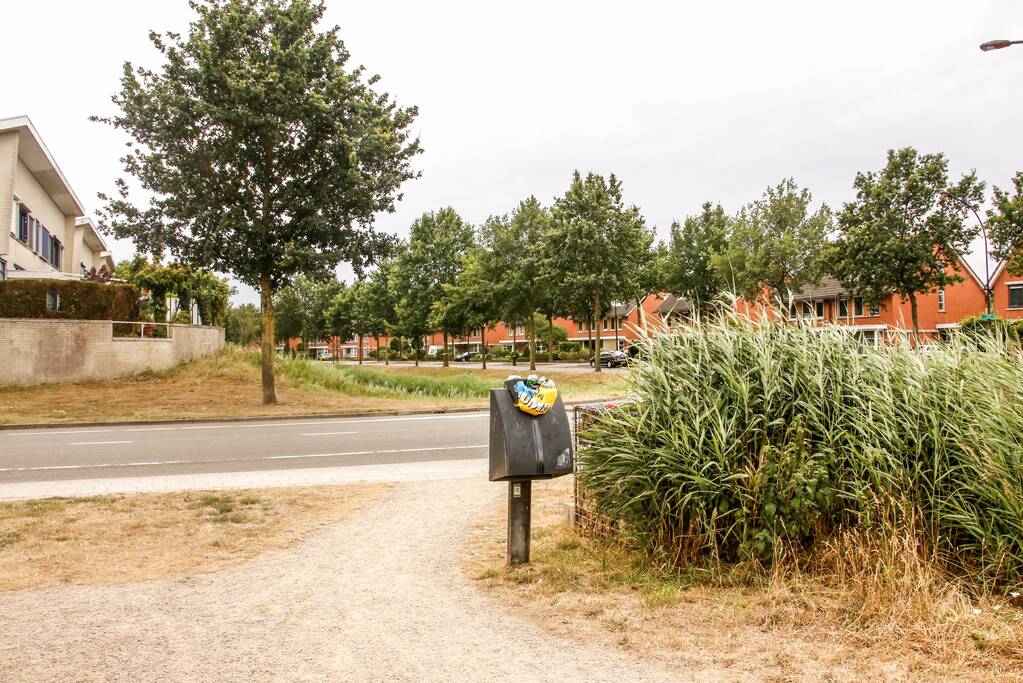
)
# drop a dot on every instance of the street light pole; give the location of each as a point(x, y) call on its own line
point(983, 233)
point(998, 44)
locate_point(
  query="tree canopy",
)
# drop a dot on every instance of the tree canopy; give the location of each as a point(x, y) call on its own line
point(438, 241)
point(688, 269)
point(905, 230)
point(598, 248)
point(776, 241)
point(1005, 221)
point(261, 152)
point(516, 247)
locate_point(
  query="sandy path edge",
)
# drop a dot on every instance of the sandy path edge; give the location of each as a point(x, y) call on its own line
point(377, 597)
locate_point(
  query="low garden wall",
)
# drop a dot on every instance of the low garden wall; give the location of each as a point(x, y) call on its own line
point(34, 351)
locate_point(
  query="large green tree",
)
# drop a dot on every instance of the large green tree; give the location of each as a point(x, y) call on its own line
point(438, 241)
point(688, 262)
point(302, 309)
point(263, 154)
point(776, 241)
point(376, 305)
point(242, 326)
point(515, 247)
point(905, 230)
point(1005, 222)
point(473, 300)
point(598, 247)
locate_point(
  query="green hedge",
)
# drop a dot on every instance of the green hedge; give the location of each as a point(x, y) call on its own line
point(78, 300)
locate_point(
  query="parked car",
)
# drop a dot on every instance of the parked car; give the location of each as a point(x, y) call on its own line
point(612, 359)
point(467, 356)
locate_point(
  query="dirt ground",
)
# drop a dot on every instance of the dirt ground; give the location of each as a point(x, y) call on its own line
point(113, 539)
point(780, 632)
point(378, 597)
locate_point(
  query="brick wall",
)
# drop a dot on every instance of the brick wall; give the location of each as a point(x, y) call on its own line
point(41, 351)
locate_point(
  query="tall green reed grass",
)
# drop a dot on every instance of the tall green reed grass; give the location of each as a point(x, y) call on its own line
point(748, 438)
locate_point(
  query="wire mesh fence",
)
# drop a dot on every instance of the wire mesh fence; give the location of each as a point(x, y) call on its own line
point(586, 519)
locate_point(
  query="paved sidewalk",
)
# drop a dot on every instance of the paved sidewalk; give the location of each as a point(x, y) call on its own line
point(397, 472)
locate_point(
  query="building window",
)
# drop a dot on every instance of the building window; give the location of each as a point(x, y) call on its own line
point(873, 310)
point(23, 224)
point(820, 310)
point(3, 270)
point(1016, 296)
point(941, 300)
point(52, 300)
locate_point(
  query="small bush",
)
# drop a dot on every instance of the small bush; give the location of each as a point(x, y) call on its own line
point(79, 300)
point(750, 439)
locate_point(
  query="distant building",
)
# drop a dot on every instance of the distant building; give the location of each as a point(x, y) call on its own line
point(937, 312)
point(49, 235)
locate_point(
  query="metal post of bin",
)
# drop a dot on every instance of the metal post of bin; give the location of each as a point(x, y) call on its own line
point(519, 499)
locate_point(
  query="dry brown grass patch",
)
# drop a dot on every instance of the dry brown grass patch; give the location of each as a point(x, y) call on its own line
point(840, 620)
point(111, 539)
point(227, 385)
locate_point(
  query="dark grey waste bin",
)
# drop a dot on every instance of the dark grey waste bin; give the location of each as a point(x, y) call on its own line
point(524, 447)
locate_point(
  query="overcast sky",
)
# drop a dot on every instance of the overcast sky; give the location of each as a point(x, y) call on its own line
point(685, 102)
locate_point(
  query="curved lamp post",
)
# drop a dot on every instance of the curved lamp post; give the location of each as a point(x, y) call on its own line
point(998, 44)
point(983, 233)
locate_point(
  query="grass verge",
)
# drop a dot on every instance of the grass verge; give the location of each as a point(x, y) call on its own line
point(227, 385)
point(742, 622)
point(111, 539)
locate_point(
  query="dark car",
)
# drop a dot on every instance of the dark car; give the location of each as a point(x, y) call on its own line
point(612, 359)
point(467, 356)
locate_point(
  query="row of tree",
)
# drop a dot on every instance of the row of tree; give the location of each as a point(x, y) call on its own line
point(574, 258)
point(903, 234)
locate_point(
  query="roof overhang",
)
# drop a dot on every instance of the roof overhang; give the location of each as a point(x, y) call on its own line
point(91, 235)
point(37, 158)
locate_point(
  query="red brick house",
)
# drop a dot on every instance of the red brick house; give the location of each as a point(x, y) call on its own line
point(938, 312)
point(1006, 293)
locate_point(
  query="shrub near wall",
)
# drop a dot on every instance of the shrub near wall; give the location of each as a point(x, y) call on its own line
point(78, 300)
point(748, 438)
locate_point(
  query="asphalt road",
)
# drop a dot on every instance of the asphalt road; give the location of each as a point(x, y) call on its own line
point(62, 453)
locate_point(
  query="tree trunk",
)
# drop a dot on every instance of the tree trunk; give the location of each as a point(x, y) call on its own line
point(445, 349)
point(415, 349)
point(515, 341)
point(483, 345)
point(916, 319)
point(266, 312)
point(596, 334)
point(360, 348)
point(531, 332)
point(589, 334)
point(387, 352)
point(550, 337)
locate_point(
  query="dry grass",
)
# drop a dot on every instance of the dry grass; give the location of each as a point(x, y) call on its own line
point(837, 622)
point(227, 385)
point(110, 539)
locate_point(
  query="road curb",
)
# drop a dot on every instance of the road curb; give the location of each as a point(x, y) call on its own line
point(262, 418)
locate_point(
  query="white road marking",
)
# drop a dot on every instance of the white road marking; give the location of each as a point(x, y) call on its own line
point(96, 466)
point(327, 433)
point(154, 463)
point(392, 450)
point(95, 443)
point(57, 431)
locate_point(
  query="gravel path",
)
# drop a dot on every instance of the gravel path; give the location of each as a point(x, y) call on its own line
point(378, 597)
